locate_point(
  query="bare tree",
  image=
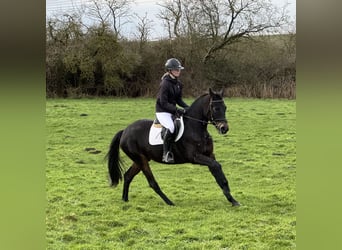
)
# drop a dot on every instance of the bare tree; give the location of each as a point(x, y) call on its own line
point(64, 28)
point(243, 19)
point(98, 12)
point(172, 15)
point(112, 13)
point(144, 27)
point(223, 22)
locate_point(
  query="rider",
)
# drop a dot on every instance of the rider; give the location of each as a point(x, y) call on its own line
point(170, 94)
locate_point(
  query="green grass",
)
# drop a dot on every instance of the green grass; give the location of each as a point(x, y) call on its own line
point(258, 156)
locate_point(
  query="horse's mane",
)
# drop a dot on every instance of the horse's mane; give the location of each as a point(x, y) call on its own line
point(199, 98)
point(204, 95)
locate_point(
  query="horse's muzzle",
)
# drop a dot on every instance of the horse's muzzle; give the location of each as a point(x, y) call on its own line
point(222, 127)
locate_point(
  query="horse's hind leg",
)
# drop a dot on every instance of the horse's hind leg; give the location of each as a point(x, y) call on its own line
point(128, 177)
point(153, 183)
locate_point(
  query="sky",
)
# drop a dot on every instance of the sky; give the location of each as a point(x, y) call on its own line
point(140, 7)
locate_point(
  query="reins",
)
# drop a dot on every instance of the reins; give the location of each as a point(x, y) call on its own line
point(198, 120)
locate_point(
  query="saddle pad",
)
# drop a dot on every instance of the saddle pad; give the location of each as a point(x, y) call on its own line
point(155, 138)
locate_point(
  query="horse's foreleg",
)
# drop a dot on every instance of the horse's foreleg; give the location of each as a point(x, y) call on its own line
point(216, 170)
point(153, 183)
point(128, 177)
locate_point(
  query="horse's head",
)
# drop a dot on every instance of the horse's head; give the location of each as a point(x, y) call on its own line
point(217, 111)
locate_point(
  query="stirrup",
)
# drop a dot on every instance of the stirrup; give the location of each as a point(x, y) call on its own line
point(168, 157)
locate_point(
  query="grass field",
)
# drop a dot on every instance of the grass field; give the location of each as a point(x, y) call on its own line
point(258, 156)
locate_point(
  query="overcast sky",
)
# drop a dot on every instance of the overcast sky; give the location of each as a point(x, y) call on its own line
point(140, 7)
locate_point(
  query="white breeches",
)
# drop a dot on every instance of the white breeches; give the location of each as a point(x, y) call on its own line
point(165, 119)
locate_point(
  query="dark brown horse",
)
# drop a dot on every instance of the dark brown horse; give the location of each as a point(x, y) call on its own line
point(195, 146)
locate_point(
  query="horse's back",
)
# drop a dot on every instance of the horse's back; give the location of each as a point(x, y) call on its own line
point(134, 141)
point(138, 128)
point(136, 132)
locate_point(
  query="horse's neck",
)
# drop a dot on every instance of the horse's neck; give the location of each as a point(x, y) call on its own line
point(198, 111)
point(199, 108)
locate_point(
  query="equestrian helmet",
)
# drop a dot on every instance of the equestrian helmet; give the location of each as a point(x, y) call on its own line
point(173, 64)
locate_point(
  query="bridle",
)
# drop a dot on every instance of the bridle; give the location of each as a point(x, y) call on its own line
point(212, 120)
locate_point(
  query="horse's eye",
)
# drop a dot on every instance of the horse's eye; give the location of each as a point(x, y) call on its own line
point(216, 109)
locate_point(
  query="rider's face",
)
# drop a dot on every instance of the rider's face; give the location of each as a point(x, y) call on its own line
point(176, 72)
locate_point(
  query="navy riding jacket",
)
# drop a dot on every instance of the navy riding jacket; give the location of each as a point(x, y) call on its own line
point(169, 94)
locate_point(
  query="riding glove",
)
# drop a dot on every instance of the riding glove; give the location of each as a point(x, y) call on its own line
point(180, 112)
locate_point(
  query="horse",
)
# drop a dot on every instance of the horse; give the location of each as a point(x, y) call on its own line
point(195, 146)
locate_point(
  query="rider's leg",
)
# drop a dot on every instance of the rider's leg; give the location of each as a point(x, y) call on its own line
point(166, 120)
point(167, 147)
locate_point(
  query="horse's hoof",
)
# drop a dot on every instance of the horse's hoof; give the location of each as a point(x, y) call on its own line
point(170, 203)
point(235, 204)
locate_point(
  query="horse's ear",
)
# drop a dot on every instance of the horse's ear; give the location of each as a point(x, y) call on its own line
point(221, 92)
point(211, 92)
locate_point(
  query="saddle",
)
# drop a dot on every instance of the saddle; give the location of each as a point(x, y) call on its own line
point(157, 131)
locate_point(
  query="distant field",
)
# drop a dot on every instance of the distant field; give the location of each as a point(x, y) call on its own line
point(258, 156)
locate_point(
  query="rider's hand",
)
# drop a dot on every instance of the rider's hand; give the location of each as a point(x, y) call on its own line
point(180, 112)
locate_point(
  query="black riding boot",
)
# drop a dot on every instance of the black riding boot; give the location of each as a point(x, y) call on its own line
point(167, 154)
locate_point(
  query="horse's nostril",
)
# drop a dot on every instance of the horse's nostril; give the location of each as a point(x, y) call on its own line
point(223, 129)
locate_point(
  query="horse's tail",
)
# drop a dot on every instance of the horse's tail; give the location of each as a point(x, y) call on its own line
point(114, 162)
